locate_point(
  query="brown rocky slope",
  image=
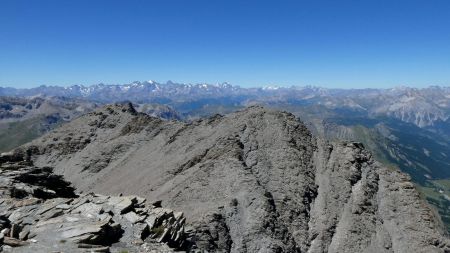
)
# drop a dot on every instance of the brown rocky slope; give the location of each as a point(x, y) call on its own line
point(252, 181)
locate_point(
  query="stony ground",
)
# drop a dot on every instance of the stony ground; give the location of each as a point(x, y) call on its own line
point(251, 181)
point(40, 212)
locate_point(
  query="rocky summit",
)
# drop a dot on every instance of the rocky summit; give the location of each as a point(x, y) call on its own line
point(255, 180)
point(40, 212)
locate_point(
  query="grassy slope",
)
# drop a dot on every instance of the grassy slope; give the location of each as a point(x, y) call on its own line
point(17, 133)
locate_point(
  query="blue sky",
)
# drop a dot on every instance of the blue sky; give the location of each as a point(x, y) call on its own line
point(348, 44)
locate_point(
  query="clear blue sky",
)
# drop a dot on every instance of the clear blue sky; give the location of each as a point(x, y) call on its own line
point(360, 43)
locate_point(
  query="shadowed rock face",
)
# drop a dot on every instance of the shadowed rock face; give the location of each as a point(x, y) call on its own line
point(252, 181)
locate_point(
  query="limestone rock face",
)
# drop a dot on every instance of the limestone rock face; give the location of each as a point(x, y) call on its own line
point(251, 181)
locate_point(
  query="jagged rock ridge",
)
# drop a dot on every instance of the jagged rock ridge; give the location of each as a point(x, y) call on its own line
point(255, 180)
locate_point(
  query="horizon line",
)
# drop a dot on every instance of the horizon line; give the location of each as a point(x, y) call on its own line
point(266, 86)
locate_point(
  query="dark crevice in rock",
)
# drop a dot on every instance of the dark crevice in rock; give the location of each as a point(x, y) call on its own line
point(191, 162)
point(176, 134)
point(109, 235)
point(309, 196)
point(128, 107)
point(44, 177)
point(213, 235)
point(138, 123)
point(213, 120)
point(107, 155)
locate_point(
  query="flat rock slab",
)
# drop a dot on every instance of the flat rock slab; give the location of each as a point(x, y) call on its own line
point(121, 204)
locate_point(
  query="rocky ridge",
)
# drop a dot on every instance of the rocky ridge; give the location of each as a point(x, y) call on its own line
point(252, 181)
point(40, 212)
point(158, 111)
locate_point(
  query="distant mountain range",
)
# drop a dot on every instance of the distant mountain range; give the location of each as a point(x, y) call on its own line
point(422, 107)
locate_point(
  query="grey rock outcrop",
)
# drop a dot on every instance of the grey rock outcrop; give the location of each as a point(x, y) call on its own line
point(159, 111)
point(39, 212)
point(252, 181)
